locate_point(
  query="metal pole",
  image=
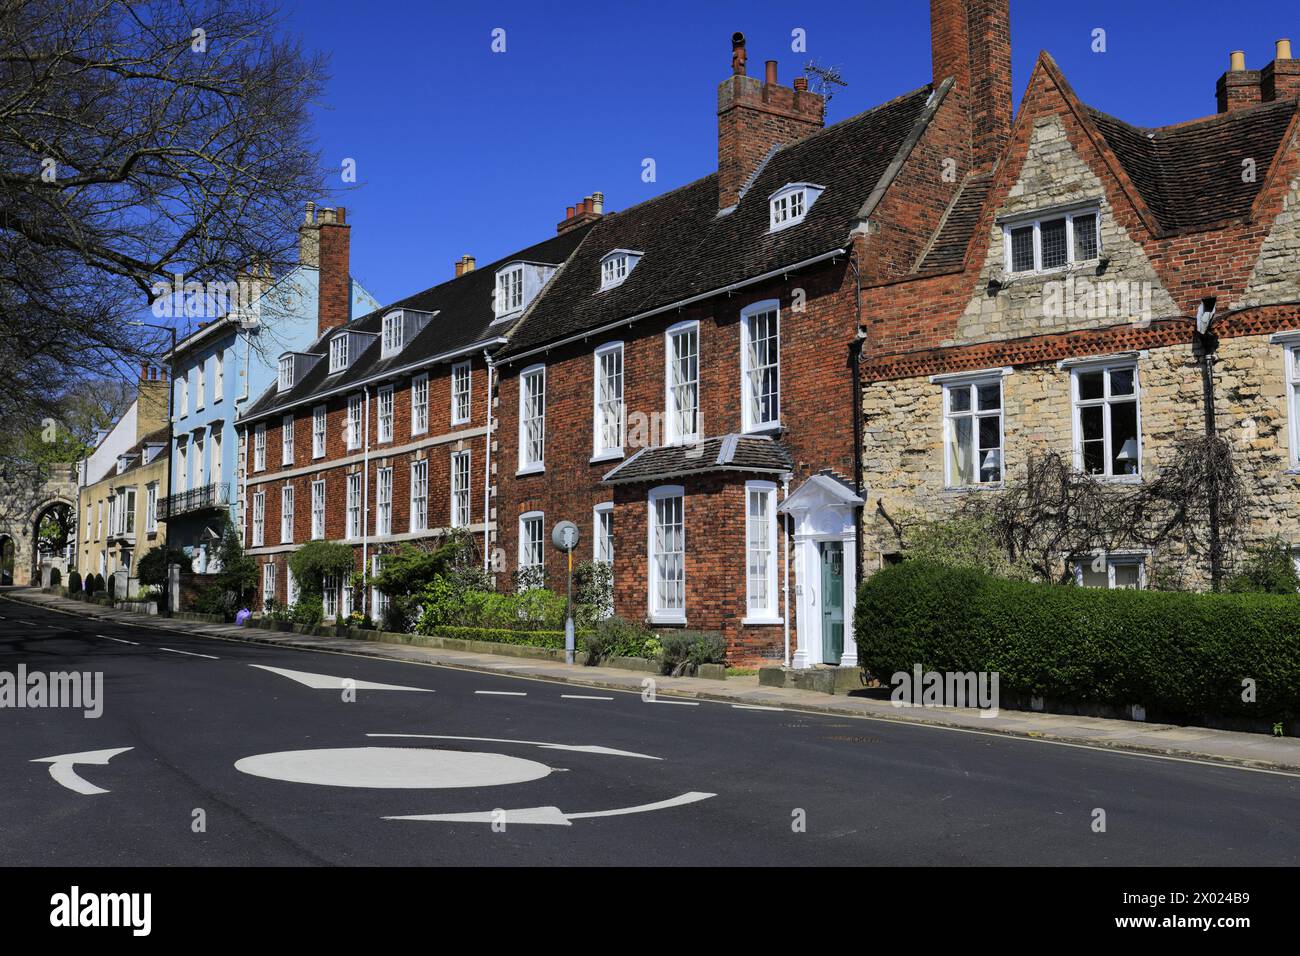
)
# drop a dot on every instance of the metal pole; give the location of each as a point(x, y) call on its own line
point(568, 617)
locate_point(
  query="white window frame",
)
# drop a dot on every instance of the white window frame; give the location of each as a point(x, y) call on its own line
point(1113, 559)
point(394, 334)
point(353, 525)
point(201, 385)
point(770, 612)
point(185, 395)
point(602, 533)
point(600, 450)
point(286, 514)
point(419, 495)
point(338, 353)
point(353, 421)
point(151, 515)
point(1105, 367)
point(1015, 225)
point(290, 587)
point(460, 510)
point(330, 588)
point(318, 510)
point(527, 463)
point(528, 547)
point(319, 432)
point(199, 458)
point(420, 404)
point(259, 447)
point(384, 501)
point(971, 385)
point(215, 454)
point(615, 266)
point(128, 511)
point(259, 519)
point(268, 583)
point(509, 290)
point(673, 434)
point(378, 599)
point(218, 376)
point(286, 440)
point(658, 614)
point(789, 205)
point(284, 380)
point(384, 419)
point(1291, 345)
point(747, 399)
point(461, 396)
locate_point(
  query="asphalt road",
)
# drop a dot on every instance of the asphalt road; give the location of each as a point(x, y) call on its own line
point(866, 792)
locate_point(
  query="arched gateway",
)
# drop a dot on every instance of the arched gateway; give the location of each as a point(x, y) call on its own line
point(30, 497)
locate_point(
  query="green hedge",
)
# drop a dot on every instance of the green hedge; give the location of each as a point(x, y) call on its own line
point(500, 635)
point(1175, 653)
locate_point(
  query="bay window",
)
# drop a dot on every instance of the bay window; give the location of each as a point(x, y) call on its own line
point(760, 552)
point(667, 549)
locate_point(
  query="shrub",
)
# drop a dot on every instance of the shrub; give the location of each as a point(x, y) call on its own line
point(152, 568)
point(1268, 569)
point(616, 637)
point(593, 593)
point(56, 577)
point(309, 611)
point(99, 584)
point(317, 560)
point(112, 587)
point(74, 583)
point(684, 651)
point(1180, 654)
point(279, 612)
point(442, 606)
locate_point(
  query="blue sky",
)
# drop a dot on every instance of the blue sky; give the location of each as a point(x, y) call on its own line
point(462, 150)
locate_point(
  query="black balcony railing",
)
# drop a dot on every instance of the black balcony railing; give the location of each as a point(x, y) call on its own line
point(207, 498)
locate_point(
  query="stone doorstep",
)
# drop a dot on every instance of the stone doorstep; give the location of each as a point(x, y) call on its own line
point(822, 680)
point(1234, 748)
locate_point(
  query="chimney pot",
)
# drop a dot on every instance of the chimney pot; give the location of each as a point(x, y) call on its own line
point(738, 55)
point(770, 75)
point(469, 263)
point(310, 217)
point(598, 203)
point(1283, 49)
point(340, 215)
point(459, 267)
point(568, 212)
point(801, 84)
point(1236, 61)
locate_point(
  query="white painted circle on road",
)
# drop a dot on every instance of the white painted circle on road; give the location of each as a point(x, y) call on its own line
point(395, 768)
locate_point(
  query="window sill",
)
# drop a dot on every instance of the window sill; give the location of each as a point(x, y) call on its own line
point(463, 421)
point(530, 470)
point(1119, 479)
point(615, 455)
point(770, 429)
point(963, 489)
point(667, 619)
point(756, 621)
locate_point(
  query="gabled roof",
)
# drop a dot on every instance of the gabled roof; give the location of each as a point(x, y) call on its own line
point(691, 249)
point(465, 319)
point(754, 454)
point(1190, 175)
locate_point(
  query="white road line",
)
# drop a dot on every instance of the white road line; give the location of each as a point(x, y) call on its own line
point(583, 697)
point(685, 703)
point(189, 653)
point(756, 707)
point(503, 693)
point(121, 640)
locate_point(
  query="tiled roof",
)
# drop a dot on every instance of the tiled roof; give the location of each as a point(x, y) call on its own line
point(1190, 175)
point(691, 249)
point(746, 453)
point(465, 317)
point(948, 249)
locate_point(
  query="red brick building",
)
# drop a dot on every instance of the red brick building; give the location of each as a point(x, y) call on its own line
point(1105, 292)
point(685, 388)
point(377, 434)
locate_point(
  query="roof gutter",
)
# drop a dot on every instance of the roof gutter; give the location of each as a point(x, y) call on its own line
point(390, 373)
point(679, 304)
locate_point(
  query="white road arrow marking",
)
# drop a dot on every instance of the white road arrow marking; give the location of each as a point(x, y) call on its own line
point(552, 816)
point(326, 682)
point(61, 768)
point(584, 748)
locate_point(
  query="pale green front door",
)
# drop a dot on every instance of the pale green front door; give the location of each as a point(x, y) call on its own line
point(832, 554)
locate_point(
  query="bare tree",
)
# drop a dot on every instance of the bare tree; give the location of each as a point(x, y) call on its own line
point(139, 139)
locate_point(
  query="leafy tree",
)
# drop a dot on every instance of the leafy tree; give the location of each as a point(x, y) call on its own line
point(317, 560)
point(1268, 568)
point(152, 568)
point(238, 575)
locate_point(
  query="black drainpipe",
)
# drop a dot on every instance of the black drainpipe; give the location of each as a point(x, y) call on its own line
point(855, 360)
point(1207, 344)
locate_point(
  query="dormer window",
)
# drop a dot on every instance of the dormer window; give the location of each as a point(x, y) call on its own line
point(286, 373)
point(338, 353)
point(510, 290)
point(1051, 241)
point(789, 204)
point(394, 329)
point(615, 266)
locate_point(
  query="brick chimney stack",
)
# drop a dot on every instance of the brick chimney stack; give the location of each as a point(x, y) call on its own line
point(754, 116)
point(1280, 80)
point(463, 265)
point(334, 295)
point(1239, 87)
point(588, 209)
point(150, 401)
point(970, 41)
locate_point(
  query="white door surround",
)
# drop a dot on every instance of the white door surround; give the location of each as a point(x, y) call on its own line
point(822, 509)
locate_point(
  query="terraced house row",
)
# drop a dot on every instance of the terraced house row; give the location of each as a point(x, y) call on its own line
point(736, 385)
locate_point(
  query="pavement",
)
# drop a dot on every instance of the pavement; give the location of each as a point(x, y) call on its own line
point(214, 749)
point(1172, 740)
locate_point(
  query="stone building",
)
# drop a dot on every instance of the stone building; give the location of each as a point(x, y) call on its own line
point(1105, 292)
